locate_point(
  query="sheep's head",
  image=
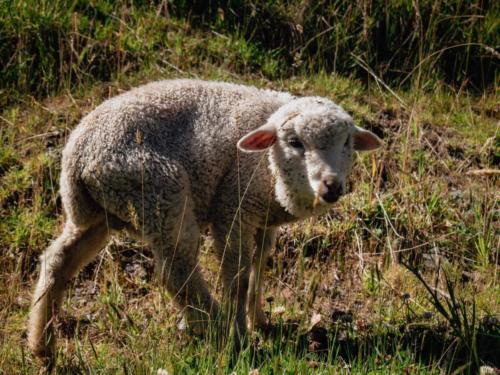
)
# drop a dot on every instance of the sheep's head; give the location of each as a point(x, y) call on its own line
point(311, 142)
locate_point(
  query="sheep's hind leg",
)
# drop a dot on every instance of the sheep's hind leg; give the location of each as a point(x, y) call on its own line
point(59, 263)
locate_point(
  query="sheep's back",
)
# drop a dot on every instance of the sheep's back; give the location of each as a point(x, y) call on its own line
point(195, 123)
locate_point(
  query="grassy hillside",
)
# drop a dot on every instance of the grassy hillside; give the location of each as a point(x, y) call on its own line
point(338, 288)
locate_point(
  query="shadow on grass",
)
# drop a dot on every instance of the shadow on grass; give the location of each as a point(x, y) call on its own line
point(429, 344)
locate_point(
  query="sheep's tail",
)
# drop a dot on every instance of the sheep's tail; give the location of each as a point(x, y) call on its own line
point(78, 204)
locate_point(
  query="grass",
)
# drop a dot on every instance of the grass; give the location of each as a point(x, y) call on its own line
point(338, 287)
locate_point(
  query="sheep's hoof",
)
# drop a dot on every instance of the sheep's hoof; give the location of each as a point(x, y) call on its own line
point(45, 356)
point(262, 324)
point(195, 324)
point(43, 350)
point(266, 328)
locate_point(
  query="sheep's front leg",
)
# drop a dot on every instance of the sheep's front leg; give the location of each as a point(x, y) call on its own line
point(265, 240)
point(178, 269)
point(234, 248)
point(156, 201)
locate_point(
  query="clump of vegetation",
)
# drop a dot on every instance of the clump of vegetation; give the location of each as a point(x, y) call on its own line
point(56, 45)
point(453, 40)
point(337, 290)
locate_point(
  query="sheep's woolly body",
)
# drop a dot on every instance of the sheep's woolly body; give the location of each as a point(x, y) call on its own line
point(186, 129)
point(161, 162)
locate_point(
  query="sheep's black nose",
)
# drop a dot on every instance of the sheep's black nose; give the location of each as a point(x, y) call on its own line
point(334, 191)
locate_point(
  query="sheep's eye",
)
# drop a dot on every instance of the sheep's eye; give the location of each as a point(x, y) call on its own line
point(347, 141)
point(295, 143)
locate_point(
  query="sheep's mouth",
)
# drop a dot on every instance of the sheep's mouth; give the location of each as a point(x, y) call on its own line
point(331, 197)
point(326, 198)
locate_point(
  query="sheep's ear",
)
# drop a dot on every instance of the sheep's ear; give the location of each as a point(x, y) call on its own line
point(364, 140)
point(259, 139)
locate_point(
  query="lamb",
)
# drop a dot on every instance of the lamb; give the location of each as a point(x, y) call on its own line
point(171, 158)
